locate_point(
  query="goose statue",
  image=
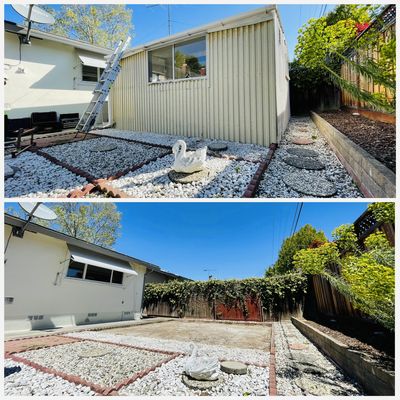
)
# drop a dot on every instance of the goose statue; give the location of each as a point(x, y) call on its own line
point(201, 368)
point(192, 161)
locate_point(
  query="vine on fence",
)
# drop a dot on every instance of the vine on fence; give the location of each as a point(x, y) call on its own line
point(274, 292)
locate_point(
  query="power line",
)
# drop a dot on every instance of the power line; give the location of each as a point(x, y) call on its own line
point(298, 216)
point(294, 219)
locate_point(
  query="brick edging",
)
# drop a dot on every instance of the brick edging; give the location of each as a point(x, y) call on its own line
point(255, 181)
point(272, 365)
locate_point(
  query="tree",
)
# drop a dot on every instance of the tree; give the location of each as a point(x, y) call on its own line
point(383, 212)
point(102, 25)
point(367, 277)
point(326, 43)
point(96, 223)
point(304, 238)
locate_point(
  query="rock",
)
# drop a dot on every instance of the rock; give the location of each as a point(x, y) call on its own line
point(298, 346)
point(234, 367)
point(93, 353)
point(8, 171)
point(310, 185)
point(300, 152)
point(218, 146)
point(180, 177)
point(201, 385)
point(315, 387)
point(304, 163)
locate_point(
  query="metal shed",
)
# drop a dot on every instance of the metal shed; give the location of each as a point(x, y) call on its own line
point(228, 80)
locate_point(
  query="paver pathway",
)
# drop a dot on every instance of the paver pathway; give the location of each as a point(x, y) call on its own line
point(301, 369)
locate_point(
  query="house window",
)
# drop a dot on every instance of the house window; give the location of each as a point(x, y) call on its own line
point(91, 74)
point(180, 61)
point(90, 272)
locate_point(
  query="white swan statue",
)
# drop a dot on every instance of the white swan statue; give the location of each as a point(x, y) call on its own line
point(188, 162)
point(201, 368)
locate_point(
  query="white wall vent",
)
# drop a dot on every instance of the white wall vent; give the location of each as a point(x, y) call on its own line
point(8, 300)
point(93, 314)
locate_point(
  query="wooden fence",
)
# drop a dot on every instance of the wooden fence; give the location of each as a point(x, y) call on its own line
point(362, 82)
point(199, 307)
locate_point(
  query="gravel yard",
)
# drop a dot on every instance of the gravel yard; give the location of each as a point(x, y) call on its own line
point(116, 364)
point(226, 178)
point(105, 163)
point(31, 382)
point(38, 177)
point(333, 175)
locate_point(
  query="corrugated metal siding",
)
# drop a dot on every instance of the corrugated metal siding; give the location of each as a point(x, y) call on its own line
point(237, 100)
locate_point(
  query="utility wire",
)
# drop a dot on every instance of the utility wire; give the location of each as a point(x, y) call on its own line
point(298, 216)
point(294, 219)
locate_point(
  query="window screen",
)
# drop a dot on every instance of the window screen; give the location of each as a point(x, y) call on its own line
point(160, 64)
point(89, 74)
point(98, 274)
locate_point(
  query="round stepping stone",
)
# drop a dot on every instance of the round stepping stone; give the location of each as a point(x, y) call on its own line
point(302, 141)
point(93, 353)
point(299, 152)
point(234, 367)
point(298, 346)
point(304, 163)
point(202, 385)
point(103, 147)
point(310, 185)
point(180, 177)
point(218, 146)
point(8, 171)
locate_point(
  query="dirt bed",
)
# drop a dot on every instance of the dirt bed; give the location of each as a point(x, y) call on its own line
point(377, 138)
point(377, 355)
point(228, 335)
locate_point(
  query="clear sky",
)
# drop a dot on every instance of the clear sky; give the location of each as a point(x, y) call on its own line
point(234, 240)
point(151, 22)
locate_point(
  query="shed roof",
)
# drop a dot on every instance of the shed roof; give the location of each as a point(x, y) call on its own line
point(12, 27)
point(248, 18)
point(79, 243)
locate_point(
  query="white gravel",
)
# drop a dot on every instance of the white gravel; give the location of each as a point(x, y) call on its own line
point(331, 381)
point(227, 178)
point(253, 356)
point(38, 177)
point(272, 184)
point(106, 163)
point(167, 381)
point(249, 152)
point(118, 364)
point(31, 382)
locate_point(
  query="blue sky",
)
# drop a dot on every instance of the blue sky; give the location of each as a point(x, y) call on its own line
point(151, 22)
point(235, 240)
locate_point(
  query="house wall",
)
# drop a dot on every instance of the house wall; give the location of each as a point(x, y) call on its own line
point(35, 276)
point(48, 78)
point(282, 79)
point(236, 101)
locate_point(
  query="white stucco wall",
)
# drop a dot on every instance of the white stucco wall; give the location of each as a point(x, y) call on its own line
point(35, 276)
point(48, 78)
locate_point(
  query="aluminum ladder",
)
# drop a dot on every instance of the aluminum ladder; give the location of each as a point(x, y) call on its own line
point(102, 89)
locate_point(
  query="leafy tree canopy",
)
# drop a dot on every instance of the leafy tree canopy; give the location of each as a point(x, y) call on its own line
point(102, 25)
point(305, 237)
point(383, 212)
point(97, 223)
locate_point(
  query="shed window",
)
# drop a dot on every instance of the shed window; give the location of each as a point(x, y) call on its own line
point(98, 274)
point(91, 74)
point(117, 277)
point(180, 61)
point(75, 270)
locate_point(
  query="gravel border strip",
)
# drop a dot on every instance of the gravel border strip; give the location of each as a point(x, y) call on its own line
point(163, 146)
point(272, 365)
point(256, 180)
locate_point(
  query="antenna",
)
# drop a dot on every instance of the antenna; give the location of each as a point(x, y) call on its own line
point(37, 210)
point(209, 270)
point(32, 13)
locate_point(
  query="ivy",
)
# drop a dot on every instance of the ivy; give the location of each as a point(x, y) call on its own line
point(274, 292)
point(383, 212)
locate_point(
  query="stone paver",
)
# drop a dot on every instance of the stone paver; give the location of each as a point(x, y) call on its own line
point(304, 163)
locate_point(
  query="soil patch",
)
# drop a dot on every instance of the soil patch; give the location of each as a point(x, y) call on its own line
point(375, 137)
point(375, 343)
point(228, 335)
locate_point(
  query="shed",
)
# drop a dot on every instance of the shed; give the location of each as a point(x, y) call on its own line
point(227, 80)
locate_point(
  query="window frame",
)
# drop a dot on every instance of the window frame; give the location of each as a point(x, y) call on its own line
point(174, 80)
point(99, 72)
point(92, 280)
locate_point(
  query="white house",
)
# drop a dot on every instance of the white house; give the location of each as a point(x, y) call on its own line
point(55, 280)
point(226, 80)
point(52, 74)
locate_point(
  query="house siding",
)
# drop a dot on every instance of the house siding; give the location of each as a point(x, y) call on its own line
point(236, 101)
